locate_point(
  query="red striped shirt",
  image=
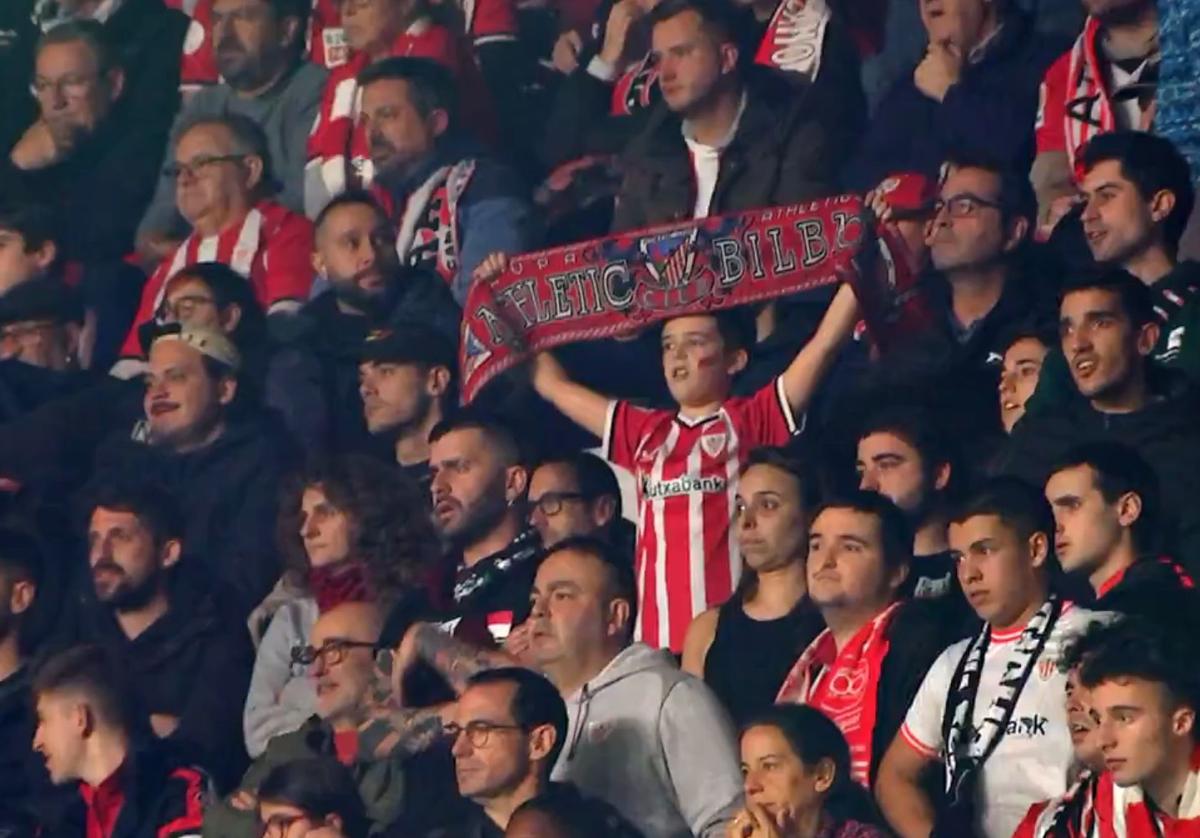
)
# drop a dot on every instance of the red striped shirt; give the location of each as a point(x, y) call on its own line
point(271, 246)
point(687, 476)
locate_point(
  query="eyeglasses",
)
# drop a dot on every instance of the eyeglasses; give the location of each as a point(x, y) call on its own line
point(963, 206)
point(551, 503)
point(478, 733)
point(333, 652)
point(192, 169)
point(71, 86)
point(183, 307)
point(278, 825)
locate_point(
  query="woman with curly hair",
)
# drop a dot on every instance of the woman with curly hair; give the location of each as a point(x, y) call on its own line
point(351, 530)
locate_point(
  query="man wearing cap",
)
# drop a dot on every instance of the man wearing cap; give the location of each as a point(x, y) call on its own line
point(406, 383)
point(313, 381)
point(221, 456)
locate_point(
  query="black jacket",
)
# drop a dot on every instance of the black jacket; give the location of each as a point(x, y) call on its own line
point(1154, 589)
point(229, 492)
point(785, 150)
point(1165, 433)
point(313, 379)
point(194, 663)
point(164, 797)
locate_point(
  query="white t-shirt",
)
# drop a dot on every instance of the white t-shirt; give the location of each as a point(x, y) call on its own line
point(1034, 760)
point(706, 162)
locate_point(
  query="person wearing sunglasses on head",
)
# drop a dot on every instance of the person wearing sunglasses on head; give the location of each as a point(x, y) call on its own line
point(340, 658)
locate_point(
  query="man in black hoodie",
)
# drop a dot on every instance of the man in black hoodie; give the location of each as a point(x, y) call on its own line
point(221, 456)
point(188, 661)
point(314, 380)
point(1105, 502)
point(1109, 329)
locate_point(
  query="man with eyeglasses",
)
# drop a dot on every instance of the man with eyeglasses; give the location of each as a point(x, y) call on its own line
point(575, 496)
point(258, 70)
point(341, 659)
point(223, 187)
point(87, 155)
point(977, 293)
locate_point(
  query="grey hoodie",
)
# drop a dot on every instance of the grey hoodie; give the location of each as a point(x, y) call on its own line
point(655, 743)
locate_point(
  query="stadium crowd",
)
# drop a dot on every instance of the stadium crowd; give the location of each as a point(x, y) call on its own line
point(288, 548)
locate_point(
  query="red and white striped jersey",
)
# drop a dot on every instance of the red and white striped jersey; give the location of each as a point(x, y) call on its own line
point(687, 476)
point(338, 146)
point(271, 246)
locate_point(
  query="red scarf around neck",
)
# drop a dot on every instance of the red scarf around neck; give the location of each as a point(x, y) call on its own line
point(844, 685)
point(338, 583)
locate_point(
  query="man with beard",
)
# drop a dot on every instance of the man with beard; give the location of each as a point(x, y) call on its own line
point(452, 205)
point(406, 384)
point(479, 484)
point(313, 380)
point(259, 47)
point(188, 662)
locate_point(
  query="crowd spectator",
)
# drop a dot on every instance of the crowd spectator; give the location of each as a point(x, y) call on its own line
point(21, 777)
point(41, 328)
point(1021, 361)
point(975, 91)
point(1139, 195)
point(339, 147)
point(92, 739)
point(89, 153)
point(1105, 502)
point(258, 46)
point(904, 455)
point(858, 558)
point(180, 652)
point(796, 769)
point(314, 377)
point(1108, 330)
point(510, 725)
point(991, 708)
point(216, 454)
point(28, 248)
point(726, 140)
point(340, 658)
point(451, 203)
point(223, 182)
point(318, 793)
point(479, 483)
point(406, 381)
point(351, 530)
point(744, 649)
point(577, 496)
point(1107, 81)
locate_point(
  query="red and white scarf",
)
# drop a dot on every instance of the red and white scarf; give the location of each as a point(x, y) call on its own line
point(794, 37)
point(844, 685)
point(427, 226)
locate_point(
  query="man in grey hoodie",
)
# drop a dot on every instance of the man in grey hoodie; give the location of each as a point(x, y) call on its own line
point(643, 735)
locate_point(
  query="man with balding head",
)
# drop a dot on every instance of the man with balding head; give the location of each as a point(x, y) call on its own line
point(340, 657)
point(223, 188)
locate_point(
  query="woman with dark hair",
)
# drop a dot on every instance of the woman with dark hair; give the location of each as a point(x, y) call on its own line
point(350, 530)
point(796, 766)
point(311, 798)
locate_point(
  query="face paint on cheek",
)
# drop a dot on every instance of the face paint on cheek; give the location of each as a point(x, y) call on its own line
point(708, 361)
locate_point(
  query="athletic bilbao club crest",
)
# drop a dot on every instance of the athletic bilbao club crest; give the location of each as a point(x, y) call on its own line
point(1046, 668)
point(713, 442)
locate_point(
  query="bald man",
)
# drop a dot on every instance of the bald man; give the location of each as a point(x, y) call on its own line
point(340, 658)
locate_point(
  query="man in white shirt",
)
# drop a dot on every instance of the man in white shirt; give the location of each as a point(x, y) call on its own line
point(991, 709)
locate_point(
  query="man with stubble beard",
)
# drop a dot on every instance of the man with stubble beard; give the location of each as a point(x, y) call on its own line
point(479, 485)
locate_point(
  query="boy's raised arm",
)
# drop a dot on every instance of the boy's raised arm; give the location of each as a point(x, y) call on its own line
point(804, 374)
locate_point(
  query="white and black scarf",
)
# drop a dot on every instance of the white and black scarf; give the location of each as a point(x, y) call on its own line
point(470, 581)
point(968, 747)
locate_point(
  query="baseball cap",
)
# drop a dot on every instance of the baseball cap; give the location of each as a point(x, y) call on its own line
point(205, 341)
point(909, 192)
point(409, 344)
point(44, 298)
